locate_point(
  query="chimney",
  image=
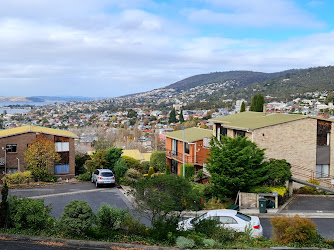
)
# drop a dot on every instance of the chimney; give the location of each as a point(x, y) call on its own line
point(264, 109)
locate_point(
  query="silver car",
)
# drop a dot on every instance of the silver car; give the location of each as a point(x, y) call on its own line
point(103, 176)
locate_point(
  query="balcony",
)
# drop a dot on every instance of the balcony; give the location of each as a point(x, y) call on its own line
point(171, 154)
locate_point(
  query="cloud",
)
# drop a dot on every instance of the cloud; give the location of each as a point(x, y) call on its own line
point(256, 13)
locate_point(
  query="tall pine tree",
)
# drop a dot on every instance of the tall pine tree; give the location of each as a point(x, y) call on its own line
point(243, 107)
point(257, 103)
point(181, 118)
point(172, 116)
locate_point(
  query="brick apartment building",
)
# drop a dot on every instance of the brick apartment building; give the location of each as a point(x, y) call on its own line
point(303, 141)
point(13, 143)
point(196, 148)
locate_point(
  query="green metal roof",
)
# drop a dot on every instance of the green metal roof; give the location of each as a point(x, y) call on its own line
point(190, 134)
point(254, 120)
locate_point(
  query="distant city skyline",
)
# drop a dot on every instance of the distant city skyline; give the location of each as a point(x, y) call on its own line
point(110, 48)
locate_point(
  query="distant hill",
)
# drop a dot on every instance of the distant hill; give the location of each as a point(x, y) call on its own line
point(243, 78)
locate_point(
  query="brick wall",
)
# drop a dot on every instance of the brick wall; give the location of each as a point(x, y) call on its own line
point(294, 141)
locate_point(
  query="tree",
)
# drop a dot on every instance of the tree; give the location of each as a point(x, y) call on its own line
point(243, 107)
point(181, 118)
point(99, 157)
point(164, 195)
point(4, 206)
point(112, 156)
point(257, 103)
point(132, 113)
point(235, 164)
point(80, 160)
point(278, 172)
point(40, 157)
point(172, 116)
point(158, 161)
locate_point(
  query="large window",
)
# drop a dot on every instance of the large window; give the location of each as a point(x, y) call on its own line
point(11, 148)
point(239, 133)
point(322, 171)
point(174, 147)
point(62, 169)
point(223, 131)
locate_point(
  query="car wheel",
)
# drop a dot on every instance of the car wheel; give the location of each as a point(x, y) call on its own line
point(97, 185)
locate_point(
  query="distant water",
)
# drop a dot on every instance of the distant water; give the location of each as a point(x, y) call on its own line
point(19, 111)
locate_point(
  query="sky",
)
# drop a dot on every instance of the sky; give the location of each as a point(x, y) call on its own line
point(109, 48)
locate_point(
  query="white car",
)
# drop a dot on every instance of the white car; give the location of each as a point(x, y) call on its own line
point(103, 176)
point(227, 218)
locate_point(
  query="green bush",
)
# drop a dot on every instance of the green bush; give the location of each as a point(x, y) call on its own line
point(278, 172)
point(146, 166)
point(120, 169)
point(163, 228)
point(109, 217)
point(209, 243)
point(26, 213)
point(131, 177)
point(158, 161)
point(183, 242)
point(18, 178)
point(293, 229)
point(150, 171)
point(190, 170)
point(132, 226)
point(77, 218)
point(132, 163)
point(80, 160)
point(84, 177)
point(206, 227)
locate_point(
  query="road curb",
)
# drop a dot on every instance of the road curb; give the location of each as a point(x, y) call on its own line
point(82, 243)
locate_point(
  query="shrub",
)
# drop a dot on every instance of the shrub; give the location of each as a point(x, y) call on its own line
point(183, 242)
point(4, 206)
point(150, 171)
point(109, 217)
point(132, 163)
point(206, 227)
point(278, 172)
point(80, 160)
point(84, 177)
point(90, 166)
point(146, 166)
point(120, 169)
point(158, 161)
point(190, 170)
point(17, 178)
point(77, 218)
point(26, 213)
point(164, 228)
point(209, 243)
point(132, 225)
point(131, 177)
point(293, 229)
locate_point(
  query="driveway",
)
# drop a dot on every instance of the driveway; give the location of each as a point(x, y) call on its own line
point(311, 204)
point(58, 196)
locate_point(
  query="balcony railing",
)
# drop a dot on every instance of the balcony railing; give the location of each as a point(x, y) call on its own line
point(198, 160)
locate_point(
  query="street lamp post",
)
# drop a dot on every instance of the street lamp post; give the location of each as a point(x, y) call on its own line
point(3, 149)
point(184, 152)
point(18, 164)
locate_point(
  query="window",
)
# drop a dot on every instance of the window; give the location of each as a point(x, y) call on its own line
point(239, 133)
point(243, 216)
point(223, 131)
point(11, 148)
point(62, 169)
point(186, 148)
point(174, 147)
point(62, 146)
point(107, 174)
point(322, 171)
point(226, 220)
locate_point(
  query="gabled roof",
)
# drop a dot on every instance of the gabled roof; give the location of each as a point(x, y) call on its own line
point(190, 134)
point(36, 129)
point(255, 120)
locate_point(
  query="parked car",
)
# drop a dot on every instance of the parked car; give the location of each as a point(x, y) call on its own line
point(103, 176)
point(227, 218)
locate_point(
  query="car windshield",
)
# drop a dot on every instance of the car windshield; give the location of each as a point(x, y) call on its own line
point(201, 217)
point(243, 216)
point(107, 174)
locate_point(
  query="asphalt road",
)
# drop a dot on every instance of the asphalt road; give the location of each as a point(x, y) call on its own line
point(309, 204)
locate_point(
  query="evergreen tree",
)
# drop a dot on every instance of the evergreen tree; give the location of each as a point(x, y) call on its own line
point(235, 164)
point(181, 118)
point(4, 207)
point(243, 107)
point(257, 103)
point(172, 116)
